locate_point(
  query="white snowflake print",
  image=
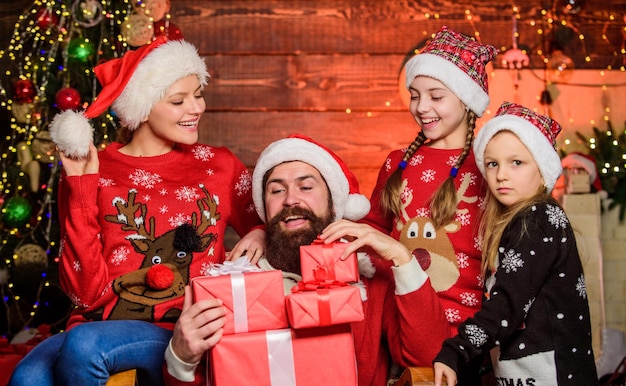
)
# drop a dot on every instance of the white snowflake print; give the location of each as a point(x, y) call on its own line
point(179, 219)
point(388, 164)
point(528, 305)
point(452, 315)
point(581, 287)
point(416, 159)
point(210, 172)
point(145, 179)
point(464, 218)
point(428, 175)
point(556, 216)
point(452, 160)
point(187, 194)
point(244, 184)
point(481, 202)
point(76, 266)
point(476, 335)
point(119, 255)
point(469, 299)
point(147, 198)
point(512, 261)
point(422, 212)
point(480, 280)
point(406, 194)
point(105, 182)
point(463, 260)
point(163, 209)
point(478, 243)
point(205, 268)
point(163, 192)
point(250, 208)
point(203, 153)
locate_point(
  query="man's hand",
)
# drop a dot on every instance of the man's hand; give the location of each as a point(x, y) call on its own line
point(252, 245)
point(198, 329)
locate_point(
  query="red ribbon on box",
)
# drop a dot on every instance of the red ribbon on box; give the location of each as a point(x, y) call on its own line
point(319, 257)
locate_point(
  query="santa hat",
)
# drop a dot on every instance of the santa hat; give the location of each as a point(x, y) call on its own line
point(586, 162)
point(348, 203)
point(537, 132)
point(457, 61)
point(131, 86)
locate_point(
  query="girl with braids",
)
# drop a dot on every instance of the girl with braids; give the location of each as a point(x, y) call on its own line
point(428, 195)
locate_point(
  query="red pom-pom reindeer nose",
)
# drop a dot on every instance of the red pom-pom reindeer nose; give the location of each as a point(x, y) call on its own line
point(159, 277)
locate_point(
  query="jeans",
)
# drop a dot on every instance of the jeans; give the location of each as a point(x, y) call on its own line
point(88, 353)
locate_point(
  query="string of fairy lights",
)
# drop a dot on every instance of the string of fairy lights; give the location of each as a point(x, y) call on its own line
point(51, 54)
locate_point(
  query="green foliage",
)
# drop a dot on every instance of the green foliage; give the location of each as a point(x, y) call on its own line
point(608, 147)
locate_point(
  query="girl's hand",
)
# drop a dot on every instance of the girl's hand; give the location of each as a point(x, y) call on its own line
point(78, 167)
point(442, 370)
point(364, 236)
point(252, 245)
point(198, 328)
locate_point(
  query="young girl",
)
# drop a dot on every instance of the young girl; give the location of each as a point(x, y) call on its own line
point(535, 319)
point(427, 196)
point(139, 219)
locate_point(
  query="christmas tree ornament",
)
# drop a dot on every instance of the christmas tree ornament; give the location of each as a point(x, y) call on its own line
point(156, 9)
point(167, 29)
point(560, 67)
point(80, 49)
point(31, 255)
point(16, 211)
point(138, 30)
point(46, 18)
point(87, 13)
point(67, 98)
point(22, 112)
point(24, 91)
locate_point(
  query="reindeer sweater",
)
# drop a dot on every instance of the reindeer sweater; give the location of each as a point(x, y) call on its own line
point(124, 253)
point(450, 255)
point(387, 332)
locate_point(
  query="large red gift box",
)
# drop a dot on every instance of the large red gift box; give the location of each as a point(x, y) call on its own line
point(321, 261)
point(254, 301)
point(324, 307)
point(307, 357)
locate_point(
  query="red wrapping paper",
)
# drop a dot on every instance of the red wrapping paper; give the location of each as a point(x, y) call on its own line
point(308, 357)
point(324, 307)
point(254, 301)
point(321, 261)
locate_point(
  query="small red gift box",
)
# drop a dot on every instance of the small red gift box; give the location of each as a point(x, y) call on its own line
point(321, 261)
point(308, 357)
point(324, 306)
point(254, 301)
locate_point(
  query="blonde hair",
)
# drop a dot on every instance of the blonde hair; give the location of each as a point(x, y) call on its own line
point(496, 217)
point(443, 203)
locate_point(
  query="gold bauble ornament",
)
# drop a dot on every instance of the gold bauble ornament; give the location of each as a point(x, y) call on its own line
point(22, 111)
point(138, 30)
point(31, 254)
point(156, 9)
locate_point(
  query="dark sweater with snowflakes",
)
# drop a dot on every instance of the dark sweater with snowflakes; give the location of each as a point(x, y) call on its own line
point(534, 319)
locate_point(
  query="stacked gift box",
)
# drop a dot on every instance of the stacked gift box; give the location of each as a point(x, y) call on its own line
point(303, 338)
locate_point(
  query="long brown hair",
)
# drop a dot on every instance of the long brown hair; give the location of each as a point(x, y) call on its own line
point(443, 202)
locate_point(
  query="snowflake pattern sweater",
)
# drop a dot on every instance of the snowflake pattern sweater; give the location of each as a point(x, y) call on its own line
point(449, 255)
point(536, 319)
point(120, 229)
point(387, 332)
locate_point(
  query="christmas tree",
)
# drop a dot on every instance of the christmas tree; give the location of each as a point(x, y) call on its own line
point(48, 68)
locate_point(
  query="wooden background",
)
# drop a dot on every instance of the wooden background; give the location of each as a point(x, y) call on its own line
point(331, 69)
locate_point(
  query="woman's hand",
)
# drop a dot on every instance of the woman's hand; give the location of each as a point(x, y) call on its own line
point(252, 245)
point(199, 327)
point(77, 167)
point(364, 236)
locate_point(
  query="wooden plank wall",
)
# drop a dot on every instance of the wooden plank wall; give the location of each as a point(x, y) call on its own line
point(330, 69)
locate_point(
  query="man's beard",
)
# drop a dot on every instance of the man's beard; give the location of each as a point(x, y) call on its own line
point(283, 246)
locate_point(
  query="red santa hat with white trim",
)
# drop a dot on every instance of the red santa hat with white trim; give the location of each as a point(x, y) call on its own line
point(577, 160)
point(131, 86)
point(348, 203)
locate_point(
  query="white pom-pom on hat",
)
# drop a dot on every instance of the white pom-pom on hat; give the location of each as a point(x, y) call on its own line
point(72, 133)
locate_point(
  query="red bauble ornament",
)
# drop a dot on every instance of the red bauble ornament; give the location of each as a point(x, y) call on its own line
point(67, 99)
point(169, 30)
point(46, 18)
point(24, 91)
